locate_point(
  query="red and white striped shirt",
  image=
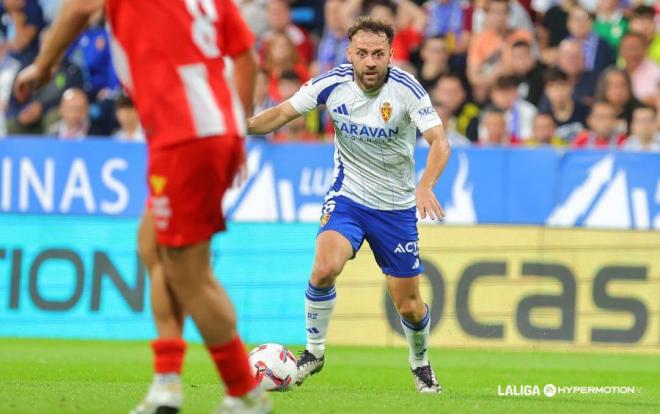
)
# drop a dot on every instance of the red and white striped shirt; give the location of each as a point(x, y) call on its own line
point(169, 55)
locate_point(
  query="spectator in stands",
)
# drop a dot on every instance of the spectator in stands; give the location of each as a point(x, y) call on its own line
point(519, 113)
point(643, 71)
point(529, 71)
point(332, 47)
point(74, 113)
point(517, 16)
point(553, 29)
point(603, 130)
point(262, 99)
point(254, 13)
point(489, 53)
point(454, 137)
point(544, 132)
point(434, 62)
point(492, 128)
point(91, 53)
point(408, 19)
point(279, 20)
point(597, 53)
point(610, 25)
point(571, 62)
point(570, 116)
point(129, 122)
point(22, 20)
point(37, 114)
point(304, 128)
point(445, 18)
point(615, 87)
point(643, 21)
point(645, 135)
point(281, 56)
point(463, 117)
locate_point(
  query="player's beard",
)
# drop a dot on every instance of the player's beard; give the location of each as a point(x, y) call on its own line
point(372, 82)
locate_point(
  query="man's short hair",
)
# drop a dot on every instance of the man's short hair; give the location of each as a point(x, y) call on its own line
point(123, 102)
point(554, 75)
point(643, 11)
point(370, 25)
point(506, 82)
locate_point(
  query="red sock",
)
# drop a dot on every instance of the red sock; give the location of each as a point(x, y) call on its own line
point(232, 362)
point(168, 355)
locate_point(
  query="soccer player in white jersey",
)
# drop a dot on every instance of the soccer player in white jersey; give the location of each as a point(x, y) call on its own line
point(375, 109)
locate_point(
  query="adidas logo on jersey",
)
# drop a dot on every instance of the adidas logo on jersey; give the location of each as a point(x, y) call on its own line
point(341, 109)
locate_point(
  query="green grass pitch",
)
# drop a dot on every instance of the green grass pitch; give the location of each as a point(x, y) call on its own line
point(58, 376)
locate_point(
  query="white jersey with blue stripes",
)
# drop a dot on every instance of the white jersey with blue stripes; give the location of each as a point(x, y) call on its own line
point(375, 134)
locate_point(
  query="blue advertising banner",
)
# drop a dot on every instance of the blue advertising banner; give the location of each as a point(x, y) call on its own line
point(287, 183)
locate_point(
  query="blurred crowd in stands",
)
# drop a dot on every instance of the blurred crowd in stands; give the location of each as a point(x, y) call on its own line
point(564, 73)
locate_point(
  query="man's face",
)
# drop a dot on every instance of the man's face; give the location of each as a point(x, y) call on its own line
point(522, 60)
point(73, 108)
point(449, 92)
point(571, 58)
point(496, 16)
point(543, 128)
point(434, 50)
point(278, 15)
point(558, 92)
point(633, 50)
point(643, 123)
point(602, 120)
point(370, 54)
point(383, 14)
point(643, 25)
point(579, 23)
point(504, 98)
point(495, 125)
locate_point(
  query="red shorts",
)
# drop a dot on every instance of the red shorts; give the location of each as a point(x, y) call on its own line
point(186, 185)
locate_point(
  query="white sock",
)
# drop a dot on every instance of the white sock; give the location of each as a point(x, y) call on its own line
point(319, 303)
point(169, 378)
point(417, 335)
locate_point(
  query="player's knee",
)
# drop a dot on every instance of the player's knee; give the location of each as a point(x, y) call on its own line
point(325, 273)
point(409, 308)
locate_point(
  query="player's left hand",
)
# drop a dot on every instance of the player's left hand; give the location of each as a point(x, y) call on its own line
point(428, 204)
point(31, 78)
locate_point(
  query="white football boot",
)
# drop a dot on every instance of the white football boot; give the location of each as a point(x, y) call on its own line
point(254, 402)
point(164, 397)
point(425, 380)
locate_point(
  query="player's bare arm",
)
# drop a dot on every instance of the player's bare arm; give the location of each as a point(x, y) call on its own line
point(427, 203)
point(272, 119)
point(69, 24)
point(245, 74)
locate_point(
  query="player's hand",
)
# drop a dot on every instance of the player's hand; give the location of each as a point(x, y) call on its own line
point(427, 204)
point(29, 79)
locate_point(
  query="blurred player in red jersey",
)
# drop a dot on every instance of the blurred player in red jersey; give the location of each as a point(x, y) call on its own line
point(169, 57)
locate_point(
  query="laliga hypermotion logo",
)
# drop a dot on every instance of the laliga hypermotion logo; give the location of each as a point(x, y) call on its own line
point(386, 110)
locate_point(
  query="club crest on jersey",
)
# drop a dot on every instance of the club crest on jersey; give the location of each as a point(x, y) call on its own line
point(324, 219)
point(386, 110)
point(157, 184)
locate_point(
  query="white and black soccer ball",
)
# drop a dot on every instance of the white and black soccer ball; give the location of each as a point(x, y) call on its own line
point(274, 367)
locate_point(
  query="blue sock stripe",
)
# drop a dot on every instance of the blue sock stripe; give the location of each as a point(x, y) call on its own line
point(419, 325)
point(324, 290)
point(317, 298)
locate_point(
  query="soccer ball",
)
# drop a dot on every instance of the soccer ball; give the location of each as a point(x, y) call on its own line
point(274, 367)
